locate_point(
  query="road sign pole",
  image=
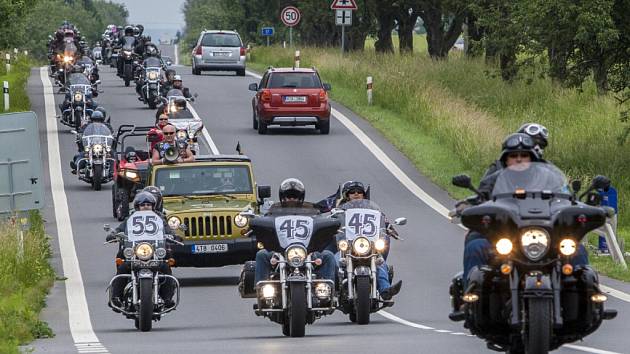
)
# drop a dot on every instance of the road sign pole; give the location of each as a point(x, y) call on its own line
point(291, 37)
point(267, 41)
point(343, 39)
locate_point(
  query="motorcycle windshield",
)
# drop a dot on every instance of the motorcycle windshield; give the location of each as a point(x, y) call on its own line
point(97, 133)
point(152, 62)
point(362, 218)
point(175, 93)
point(531, 177)
point(78, 79)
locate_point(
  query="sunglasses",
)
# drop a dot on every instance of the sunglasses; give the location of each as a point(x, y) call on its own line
point(356, 191)
point(165, 133)
point(146, 205)
point(516, 155)
point(163, 119)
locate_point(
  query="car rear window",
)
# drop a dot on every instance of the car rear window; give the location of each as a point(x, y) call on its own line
point(221, 40)
point(294, 80)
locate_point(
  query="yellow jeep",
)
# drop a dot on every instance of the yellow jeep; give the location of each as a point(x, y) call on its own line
point(207, 196)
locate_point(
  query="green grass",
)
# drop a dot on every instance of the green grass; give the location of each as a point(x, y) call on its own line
point(17, 78)
point(24, 283)
point(419, 43)
point(449, 117)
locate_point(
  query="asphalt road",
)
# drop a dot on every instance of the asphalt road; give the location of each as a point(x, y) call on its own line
point(212, 317)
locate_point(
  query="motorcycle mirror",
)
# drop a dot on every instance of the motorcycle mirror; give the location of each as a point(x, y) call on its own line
point(336, 211)
point(576, 186)
point(400, 221)
point(248, 214)
point(106, 227)
point(601, 182)
point(74, 132)
point(462, 181)
point(98, 82)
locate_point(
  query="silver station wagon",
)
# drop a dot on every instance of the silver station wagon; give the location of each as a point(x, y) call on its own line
point(219, 51)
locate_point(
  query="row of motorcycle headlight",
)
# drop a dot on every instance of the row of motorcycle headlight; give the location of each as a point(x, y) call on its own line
point(174, 222)
point(323, 291)
point(535, 243)
point(361, 246)
point(144, 251)
point(98, 148)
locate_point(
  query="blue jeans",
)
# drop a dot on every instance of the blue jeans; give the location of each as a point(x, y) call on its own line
point(479, 251)
point(325, 271)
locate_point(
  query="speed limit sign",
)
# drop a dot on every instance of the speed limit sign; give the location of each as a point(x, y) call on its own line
point(290, 16)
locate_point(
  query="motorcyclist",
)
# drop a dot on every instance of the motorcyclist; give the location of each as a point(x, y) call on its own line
point(150, 51)
point(291, 194)
point(167, 84)
point(178, 84)
point(96, 117)
point(128, 39)
point(144, 201)
point(158, 152)
point(355, 190)
point(517, 148)
point(89, 102)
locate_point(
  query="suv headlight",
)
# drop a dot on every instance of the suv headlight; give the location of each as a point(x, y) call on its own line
point(174, 222)
point(361, 246)
point(296, 256)
point(240, 220)
point(535, 243)
point(144, 251)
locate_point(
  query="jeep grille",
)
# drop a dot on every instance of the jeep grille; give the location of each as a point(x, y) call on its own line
point(208, 226)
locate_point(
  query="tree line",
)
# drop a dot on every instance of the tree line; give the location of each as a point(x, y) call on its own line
point(26, 24)
point(572, 39)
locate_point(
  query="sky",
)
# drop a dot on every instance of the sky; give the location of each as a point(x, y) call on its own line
point(159, 17)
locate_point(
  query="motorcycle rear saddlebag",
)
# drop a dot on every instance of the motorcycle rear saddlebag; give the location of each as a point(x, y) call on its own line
point(246, 286)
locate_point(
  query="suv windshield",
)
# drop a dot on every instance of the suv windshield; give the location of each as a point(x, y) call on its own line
point(203, 180)
point(221, 40)
point(294, 80)
point(532, 177)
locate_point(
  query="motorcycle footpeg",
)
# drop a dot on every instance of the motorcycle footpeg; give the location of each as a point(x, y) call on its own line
point(457, 316)
point(609, 314)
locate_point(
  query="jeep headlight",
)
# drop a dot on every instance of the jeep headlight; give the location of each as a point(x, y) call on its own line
point(174, 222)
point(144, 251)
point(568, 246)
point(296, 256)
point(361, 246)
point(97, 148)
point(240, 220)
point(78, 96)
point(535, 243)
point(152, 75)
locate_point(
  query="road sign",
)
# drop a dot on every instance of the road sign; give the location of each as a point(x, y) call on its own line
point(267, 31)
point(343, 18)
point(290, 16)
point(21, 180)
point(344, 5)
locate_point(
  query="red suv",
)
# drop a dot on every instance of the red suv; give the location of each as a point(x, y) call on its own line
point(291, 97)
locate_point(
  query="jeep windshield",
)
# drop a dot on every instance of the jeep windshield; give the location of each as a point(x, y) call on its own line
point(203, 180)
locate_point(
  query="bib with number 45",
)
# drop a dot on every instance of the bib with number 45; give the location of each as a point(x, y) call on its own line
point(362, 222)
point(294, 228)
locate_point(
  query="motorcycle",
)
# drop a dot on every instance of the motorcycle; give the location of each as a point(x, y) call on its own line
point(97, 53)
point(151, 85)
point(531, 298)
point(96, 165)
point(145, 249)
point(79, 94)
point(362, 243)
point(65, 61)
point(293, 296)
point(127, 57)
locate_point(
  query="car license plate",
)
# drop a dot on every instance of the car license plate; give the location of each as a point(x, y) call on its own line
point(212, 248)
point(295, 99)
point(220, 54)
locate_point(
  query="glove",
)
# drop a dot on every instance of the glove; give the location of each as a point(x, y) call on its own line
point(110, 237)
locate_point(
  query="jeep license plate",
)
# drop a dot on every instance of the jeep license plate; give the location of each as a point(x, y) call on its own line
point(295, 99)
point(213, 248)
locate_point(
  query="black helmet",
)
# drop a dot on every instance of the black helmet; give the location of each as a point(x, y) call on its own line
point(519, 142)
point(538, 132)
point(292, 188)
point(128, 31)
point(97, 116)
point(136, 31)
point(352, 186)
point(157, 194)
point(142, 198)
point(102, 110)
point(140, 29)
point(150, 49)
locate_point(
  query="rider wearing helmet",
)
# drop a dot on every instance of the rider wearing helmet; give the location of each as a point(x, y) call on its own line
point(178, 84)
point(157, 194)
point(144, 201)
point(292, 193)
point(96, 117)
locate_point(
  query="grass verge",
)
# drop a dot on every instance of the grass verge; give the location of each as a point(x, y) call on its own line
point(17, 78)
point(449, 117)
point(25, 278)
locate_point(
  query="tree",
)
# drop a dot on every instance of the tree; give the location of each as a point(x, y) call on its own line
point(443, 20)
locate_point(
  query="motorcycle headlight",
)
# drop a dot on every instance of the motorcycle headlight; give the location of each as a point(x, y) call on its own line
point(174, 222)
point(296, 255)
point(108, 148)
point(504, 246)
point(78, 96)
point(152, 75)
point(127, 52)
point(361, 246)
point(182, 134)
point(323, 291)
point(342, 245)
point(160, 252)
point(568, 247)
point(379, 244)
point(128, 253)
point(144, 251)
point(535, 243)
point(97, 148)
point(268, 291)
point(240, 220)
point(67, 59)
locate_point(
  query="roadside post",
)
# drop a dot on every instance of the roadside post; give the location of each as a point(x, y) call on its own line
point(21, 187)
point(267, 32)
point(249, 50)
point(296, 63)
point(369, 90)
point(343, 17)
point(8, 60)
point(5, 91)
point(290, 16)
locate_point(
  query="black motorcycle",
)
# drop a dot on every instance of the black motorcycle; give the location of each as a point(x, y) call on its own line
point(151, 73)
point(362, 244)
point(96, 166)
point(293, 296)
point(145, 249)
point(125, 60)
point(79, 95)
point(530, 298)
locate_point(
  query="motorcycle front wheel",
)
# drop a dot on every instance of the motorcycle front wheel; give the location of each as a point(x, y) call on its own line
point(97, 177)
point(297, 309)
point(145, 313)
point(538, 333)
point(363, 302)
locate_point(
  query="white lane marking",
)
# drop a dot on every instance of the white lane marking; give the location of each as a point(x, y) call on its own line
point(204, 131)
point(616, 293)
point(402, 321)
point(588, 349)
point(176, 56)
point(78, 312)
